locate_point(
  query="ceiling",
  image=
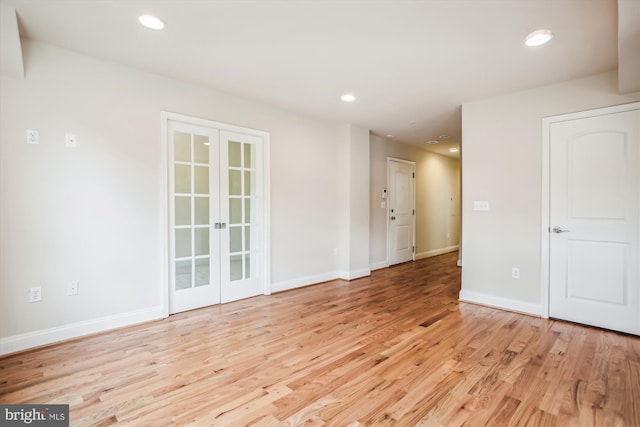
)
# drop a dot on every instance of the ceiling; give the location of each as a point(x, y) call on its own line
point(411, 64)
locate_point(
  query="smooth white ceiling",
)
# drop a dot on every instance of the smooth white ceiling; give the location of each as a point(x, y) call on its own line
point(406, 61)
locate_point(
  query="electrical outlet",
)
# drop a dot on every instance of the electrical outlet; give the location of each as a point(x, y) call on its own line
point(481, 205)
point(35, 294)
point(73, 288)
point(515, 273)
point(32, 136)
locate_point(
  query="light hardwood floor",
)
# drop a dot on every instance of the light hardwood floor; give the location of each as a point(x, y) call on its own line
point(393, 349)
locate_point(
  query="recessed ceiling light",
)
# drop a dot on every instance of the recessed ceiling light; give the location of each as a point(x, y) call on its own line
point(151, 22)
point(432, 142)
point(348, 97)
point(443, 137)
point(454, 149)
point(538, 38)
point(389, 136)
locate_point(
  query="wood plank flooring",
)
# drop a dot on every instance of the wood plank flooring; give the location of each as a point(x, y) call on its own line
point(393, 349)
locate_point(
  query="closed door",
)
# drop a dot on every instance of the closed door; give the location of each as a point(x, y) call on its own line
point(401, 211)
point(241, 210)
point(214, 215)
point(594, 219)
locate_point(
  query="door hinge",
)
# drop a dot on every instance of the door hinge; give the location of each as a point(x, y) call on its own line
point(413, 250)
point(413, 212)
point(414, 175)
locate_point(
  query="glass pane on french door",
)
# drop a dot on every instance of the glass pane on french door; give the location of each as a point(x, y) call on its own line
point(194, 196)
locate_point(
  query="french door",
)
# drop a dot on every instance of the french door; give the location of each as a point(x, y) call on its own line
point(215, 215)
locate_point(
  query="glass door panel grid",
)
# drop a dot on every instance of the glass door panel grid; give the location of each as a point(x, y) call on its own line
point(241, 202)
point(192, 250)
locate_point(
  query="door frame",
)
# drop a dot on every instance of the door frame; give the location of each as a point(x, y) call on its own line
point(388, 220)
point(265, 260)
point(545, 240)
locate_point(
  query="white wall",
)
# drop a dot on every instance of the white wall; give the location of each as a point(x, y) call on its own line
point(437, 215)
point(502, 164)
point(95, 213)
point(358, 203)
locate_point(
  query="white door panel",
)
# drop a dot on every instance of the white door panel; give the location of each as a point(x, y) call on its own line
point(594, 265)
point(401, 212)
point(193, 250)
point(241, 209)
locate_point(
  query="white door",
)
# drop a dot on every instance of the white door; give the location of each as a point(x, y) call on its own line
point(594, 264)
point(241, 209)
point(216, 243)
point(401, 211)
point(194, 243)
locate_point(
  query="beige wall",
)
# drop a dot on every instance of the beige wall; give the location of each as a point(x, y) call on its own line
point(95, 213)
point(437, 199)
point(502, 164)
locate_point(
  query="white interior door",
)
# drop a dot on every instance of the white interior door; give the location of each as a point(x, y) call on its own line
point(594, 264)
point(401, 211)
point(217, 247)
point(241, 209)
point(194, 243)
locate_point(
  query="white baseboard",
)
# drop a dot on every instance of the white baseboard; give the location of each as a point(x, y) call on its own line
point(379, 265)
point(304, 281)
point(314, 280)
point(501, 302)
point(436, 252)
point(364, 272)
point(75, 330)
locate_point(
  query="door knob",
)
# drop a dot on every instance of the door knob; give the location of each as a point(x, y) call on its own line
point(559, 230)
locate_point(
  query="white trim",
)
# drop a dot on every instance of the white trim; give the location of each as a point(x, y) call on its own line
point(28, 340)
point(352, 275)
point(266, 212)
point(213, 124)
point(544, 222)
point(545, 208)
point(301, 282)
point(500, 302)
point(379, 265)
point(164, 233)
point(412, 163)
point(436, 252)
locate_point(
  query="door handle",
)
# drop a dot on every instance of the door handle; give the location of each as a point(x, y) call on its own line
point(559, 230)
